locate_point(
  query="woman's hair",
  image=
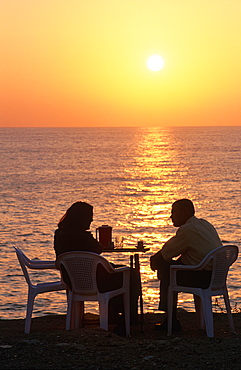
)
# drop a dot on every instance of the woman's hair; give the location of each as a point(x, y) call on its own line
point(78, 216)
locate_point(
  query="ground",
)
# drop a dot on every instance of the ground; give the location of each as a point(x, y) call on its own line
point(50, 346)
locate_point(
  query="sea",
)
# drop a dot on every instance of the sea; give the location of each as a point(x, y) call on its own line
point(131, 176)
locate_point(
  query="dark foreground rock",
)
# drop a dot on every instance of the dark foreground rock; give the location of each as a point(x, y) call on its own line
point(50, 346)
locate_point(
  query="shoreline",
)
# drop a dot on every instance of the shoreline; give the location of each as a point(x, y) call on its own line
point(50, 346)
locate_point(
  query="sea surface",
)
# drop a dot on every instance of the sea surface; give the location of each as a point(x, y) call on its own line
point(131, 176)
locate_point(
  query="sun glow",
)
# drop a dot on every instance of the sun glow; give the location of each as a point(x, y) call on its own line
point(155, 63)
point(192, 76)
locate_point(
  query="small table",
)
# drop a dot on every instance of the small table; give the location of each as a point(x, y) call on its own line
point(134, 263)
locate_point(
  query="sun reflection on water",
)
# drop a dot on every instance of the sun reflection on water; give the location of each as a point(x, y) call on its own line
point(149, 191)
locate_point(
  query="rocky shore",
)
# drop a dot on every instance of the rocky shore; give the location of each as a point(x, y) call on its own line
point(50, 346)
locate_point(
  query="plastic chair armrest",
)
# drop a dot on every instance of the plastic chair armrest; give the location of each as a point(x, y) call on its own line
point(200, 266)
point(121, 269)
point(38, 265)
point(184, 267)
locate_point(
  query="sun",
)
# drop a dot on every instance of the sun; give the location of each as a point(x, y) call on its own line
point(155, 63)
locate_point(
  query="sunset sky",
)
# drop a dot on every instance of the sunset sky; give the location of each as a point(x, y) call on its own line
point(83, 63)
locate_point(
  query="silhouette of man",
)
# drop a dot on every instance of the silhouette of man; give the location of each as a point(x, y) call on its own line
point(194, 239)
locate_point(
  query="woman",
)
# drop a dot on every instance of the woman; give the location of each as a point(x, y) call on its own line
point(72, 235)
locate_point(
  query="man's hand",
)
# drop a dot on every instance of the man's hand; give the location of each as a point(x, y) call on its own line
point(155, 261)
point(152, 263)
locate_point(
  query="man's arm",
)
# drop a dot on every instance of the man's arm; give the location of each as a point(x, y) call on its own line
point(172, 248)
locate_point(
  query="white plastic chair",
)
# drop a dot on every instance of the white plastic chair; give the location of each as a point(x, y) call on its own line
point(34, 290)
point(222, 258)
point(81, 268)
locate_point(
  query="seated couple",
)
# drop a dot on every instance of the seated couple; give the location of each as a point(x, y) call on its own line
point(194, 239)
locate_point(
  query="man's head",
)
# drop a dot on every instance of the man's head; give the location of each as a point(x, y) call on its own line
point(182, 210)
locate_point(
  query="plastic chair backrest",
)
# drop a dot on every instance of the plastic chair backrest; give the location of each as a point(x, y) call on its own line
point(23, 260)
point(81, 268)
point(223, 258)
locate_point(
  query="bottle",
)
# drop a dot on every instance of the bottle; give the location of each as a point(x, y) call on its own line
point(140, 245)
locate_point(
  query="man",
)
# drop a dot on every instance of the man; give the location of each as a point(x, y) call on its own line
point(194, 239)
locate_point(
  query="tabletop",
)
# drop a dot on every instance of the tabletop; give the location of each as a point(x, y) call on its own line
point(126, 250)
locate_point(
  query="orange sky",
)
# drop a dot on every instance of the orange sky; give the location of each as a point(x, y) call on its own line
point(83, 63)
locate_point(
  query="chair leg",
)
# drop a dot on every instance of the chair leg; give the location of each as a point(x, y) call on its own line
point(81, 313)
point(199, 311)
point(169, 311)
point(126, 299)
point(69, 311)
point(103, 312)
point(228, 309)
point(30, 303)
point(77, 320)
point(208, 315)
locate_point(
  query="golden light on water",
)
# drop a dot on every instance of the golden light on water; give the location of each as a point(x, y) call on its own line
point(150, 194)
point(150, 186)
